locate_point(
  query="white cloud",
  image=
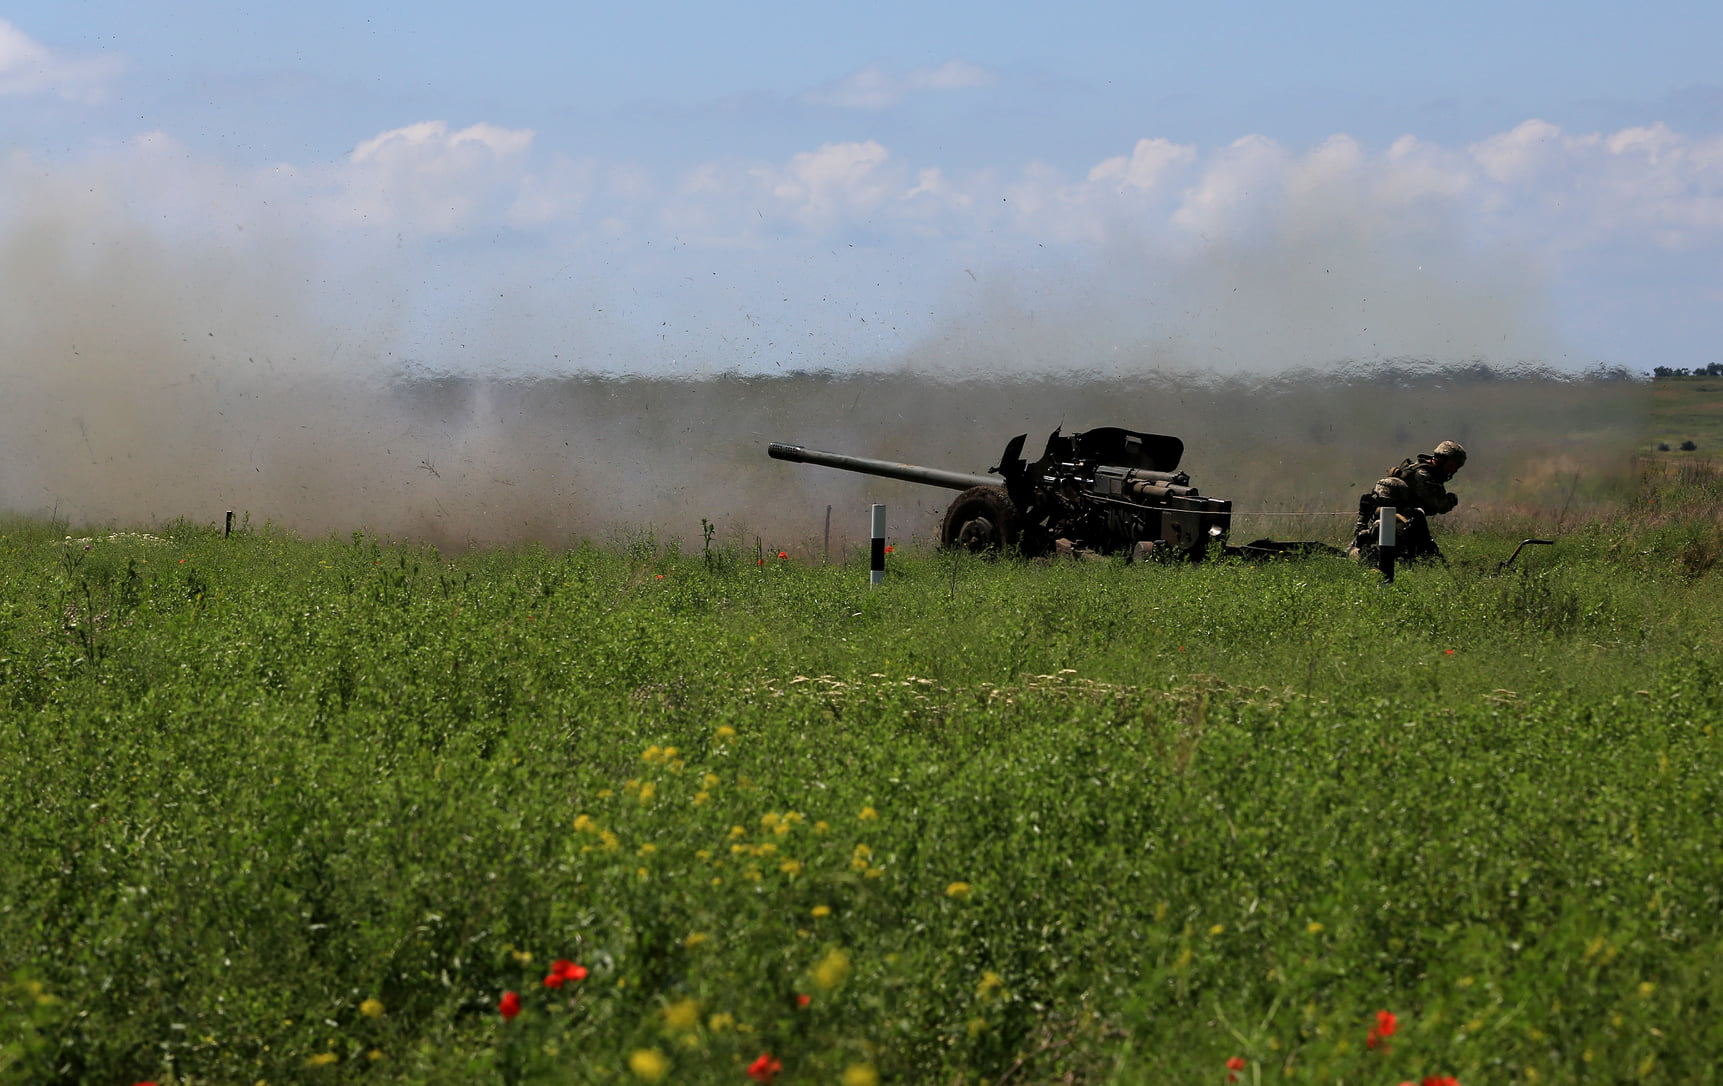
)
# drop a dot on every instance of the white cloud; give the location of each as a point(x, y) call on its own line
point(1401, 245)
point(825, 187)
point(428, 178)
point(1148, 164)
point(876, 87)
point(28, 67)
point(1577, 193)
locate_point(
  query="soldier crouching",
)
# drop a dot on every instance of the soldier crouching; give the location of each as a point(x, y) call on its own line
point(1416, 490)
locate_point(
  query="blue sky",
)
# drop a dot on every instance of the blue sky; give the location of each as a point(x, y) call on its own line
point(691, 188)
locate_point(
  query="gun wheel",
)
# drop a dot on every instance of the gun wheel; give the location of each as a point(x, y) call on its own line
point(982, 519)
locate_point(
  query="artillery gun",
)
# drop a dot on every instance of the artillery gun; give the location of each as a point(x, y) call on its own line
point(1107, 490)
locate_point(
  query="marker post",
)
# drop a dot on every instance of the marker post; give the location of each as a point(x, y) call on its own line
point(1385, 547)
point(876, 563)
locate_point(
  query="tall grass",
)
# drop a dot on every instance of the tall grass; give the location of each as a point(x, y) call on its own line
point(291, 810)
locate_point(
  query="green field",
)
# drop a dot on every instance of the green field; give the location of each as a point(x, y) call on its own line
point(303, 811)
point(1686, 410)
point(286, 810)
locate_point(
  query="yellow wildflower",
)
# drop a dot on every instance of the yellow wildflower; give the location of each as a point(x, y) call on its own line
point(702, 854)
point(991, 984)
point(372, 1008)
point(791, 868)
point(822, 911)
point(609, 840)
point(873, 872)
point(769, 820)
point(1314, 927)
point(822, 827)
point(374, 1055)
point(648, 1064)
point(647, 791)
point(860, 1074)
point(653, 755)
point(585, 824)
point(695, 938)
point(710, 780)
point(648, 849)
point(868, 814)
point(522, 956)
point(766, 849)
point(1645, 989)
point(322, 1059)
point(958, 890)
point(977, 1026)
point(643, 873)
point(720, 1022)
point(682, 1015)
point(832, 969)
point(738, 831)
point(724, 732)
point(632, 784)
point(700, 798)
point(605, 793)
point(669, 754)
point(752, 874)
point(1216, 930)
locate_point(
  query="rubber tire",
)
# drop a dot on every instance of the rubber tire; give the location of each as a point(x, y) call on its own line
point(982, 519)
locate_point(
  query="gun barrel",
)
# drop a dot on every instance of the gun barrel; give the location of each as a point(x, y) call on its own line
point(890, 469)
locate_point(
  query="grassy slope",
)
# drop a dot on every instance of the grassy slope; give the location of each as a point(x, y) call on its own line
point(1687, 409)
point(249, 784)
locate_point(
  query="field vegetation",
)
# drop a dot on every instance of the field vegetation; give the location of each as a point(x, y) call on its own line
point(346, 810)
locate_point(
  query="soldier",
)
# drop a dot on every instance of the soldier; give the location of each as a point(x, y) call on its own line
point(1428, 476)
point(1416, 489)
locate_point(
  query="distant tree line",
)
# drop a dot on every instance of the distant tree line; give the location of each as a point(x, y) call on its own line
point(1715, 369)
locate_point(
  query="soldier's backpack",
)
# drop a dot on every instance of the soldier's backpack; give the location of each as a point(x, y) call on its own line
point(1404, 470)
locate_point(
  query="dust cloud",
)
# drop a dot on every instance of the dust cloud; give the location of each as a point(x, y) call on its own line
point(143, 380)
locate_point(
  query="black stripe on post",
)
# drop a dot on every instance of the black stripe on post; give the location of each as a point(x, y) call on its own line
point(876, 562)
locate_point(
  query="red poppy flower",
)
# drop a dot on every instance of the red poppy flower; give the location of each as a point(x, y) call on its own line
point(554, 980)
point(1233, 1067)
point(888, 548)
point(569, 970)
point(509, 1005)
point(1440, 1080)
point(783, 554)
point(765, 1068)
point(1386, 1023)
point(803, 999)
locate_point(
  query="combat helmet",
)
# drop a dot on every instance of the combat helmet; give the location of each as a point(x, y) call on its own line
point(1453, 452)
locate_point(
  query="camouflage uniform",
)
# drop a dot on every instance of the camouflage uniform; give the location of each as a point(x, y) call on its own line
point(1429, 488)
point(1417, 490)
